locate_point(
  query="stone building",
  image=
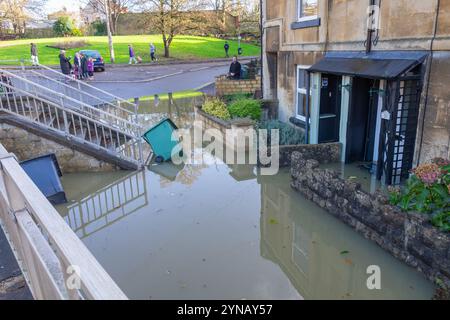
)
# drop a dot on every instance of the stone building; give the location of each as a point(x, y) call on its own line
point(373, 73)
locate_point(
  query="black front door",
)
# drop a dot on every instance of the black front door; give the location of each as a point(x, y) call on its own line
point(361, 121)
point(330, 108)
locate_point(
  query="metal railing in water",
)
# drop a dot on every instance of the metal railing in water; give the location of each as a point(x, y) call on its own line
point(108, 205)
point(117, 136)
point(54, 261)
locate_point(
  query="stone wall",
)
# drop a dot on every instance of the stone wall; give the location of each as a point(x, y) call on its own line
point(408, 237)
point(323, 153)
point(225, 86)
point(26, 145)
point(210, 122)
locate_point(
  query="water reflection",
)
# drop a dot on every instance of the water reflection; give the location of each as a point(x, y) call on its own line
point(227, 232)
point(108, 205)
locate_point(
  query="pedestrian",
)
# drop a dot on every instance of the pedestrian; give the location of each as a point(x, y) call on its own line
point(34, 54)
point(227, 48)
point(235, 69)
point(84, 67)
point(132, 55)
point(7, 87)
point(64, 62)
point(77, 66)
point(152, 52)
point(90, 67)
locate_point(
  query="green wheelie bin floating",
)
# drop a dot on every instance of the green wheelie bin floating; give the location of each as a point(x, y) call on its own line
point(160, 140)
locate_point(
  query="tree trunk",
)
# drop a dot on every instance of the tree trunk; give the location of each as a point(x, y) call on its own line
point(166, 50)
point(108, 29)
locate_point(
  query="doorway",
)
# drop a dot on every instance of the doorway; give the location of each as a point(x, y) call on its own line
point(330, 108)
point(361, 125)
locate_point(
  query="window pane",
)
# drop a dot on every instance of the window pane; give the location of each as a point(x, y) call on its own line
point(301, 104)
point(302, 77)
point(308, 8)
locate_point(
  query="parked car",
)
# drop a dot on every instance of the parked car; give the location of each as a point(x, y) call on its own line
point(99, 64)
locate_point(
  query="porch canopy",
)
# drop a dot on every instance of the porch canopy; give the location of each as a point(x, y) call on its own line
point(375, 65)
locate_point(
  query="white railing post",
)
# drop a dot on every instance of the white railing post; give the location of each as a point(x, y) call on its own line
point(44, 244)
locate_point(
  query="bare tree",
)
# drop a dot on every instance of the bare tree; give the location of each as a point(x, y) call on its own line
point(18, 13)
point(173, 17)
point(116, 9)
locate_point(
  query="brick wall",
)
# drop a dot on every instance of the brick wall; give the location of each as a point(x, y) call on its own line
point(226, 86)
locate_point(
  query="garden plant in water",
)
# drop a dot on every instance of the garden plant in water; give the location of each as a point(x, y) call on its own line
point(427, 191)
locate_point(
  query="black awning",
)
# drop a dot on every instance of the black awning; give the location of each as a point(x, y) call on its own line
point(379, 65)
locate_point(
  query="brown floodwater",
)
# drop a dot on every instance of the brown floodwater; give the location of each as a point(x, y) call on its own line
point(224, 232)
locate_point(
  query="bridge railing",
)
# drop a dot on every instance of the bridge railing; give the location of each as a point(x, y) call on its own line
point(83, 87)
point(54, 261)
point(118, 137)
point(123, 122)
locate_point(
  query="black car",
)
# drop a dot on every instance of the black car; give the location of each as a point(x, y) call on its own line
point(99, 64)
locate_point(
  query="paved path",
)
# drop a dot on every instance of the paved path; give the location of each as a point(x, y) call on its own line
point(157, 80)
point(12, 283)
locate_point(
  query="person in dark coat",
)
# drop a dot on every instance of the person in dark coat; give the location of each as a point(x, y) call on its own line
point(235, 69)
point(34, 54)
point(77, 66)
point(84, 66)
point(227, 48)
point(64, 62)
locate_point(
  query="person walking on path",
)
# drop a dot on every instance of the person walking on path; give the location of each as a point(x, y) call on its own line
point(152, 52)
point(90, 68)
point(34, 54)
point(84, 67)
point(77, 65)
point(235, 69)
point(227, 48)
point(132, 55)
point(64, 63)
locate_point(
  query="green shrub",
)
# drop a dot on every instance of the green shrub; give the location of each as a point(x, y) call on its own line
point(77, 32)
point(287, 133)
point(217, 108)
point(427, 191)
point(246, 108)
point(230, 98)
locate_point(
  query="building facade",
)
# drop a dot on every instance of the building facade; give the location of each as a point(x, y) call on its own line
point(371, 74)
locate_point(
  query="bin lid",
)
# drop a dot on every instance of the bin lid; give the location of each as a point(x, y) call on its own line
point(45, 172)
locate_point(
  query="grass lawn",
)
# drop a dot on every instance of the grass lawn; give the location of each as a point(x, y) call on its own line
point(183, 47)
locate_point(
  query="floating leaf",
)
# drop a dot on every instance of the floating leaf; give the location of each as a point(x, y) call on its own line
point(345, 252)
point(273, 221)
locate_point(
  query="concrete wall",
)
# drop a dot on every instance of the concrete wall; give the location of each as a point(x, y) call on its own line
point(26, 145)
point(405, 25)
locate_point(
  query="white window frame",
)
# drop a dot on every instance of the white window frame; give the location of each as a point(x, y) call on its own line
point(301, 91)
point(300, 16)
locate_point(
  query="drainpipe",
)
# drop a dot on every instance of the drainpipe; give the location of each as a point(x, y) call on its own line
point(308, 94)
point(369, 33)
point(261, 34)
point(436, 20)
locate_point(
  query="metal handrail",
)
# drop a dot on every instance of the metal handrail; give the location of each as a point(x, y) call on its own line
point(104, 102)
point(71, 114)
point(62, 96)
point(89, 86)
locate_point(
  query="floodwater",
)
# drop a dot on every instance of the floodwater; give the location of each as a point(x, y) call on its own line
point(224, 232)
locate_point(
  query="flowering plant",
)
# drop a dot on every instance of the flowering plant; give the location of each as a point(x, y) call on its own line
point(427, 191)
